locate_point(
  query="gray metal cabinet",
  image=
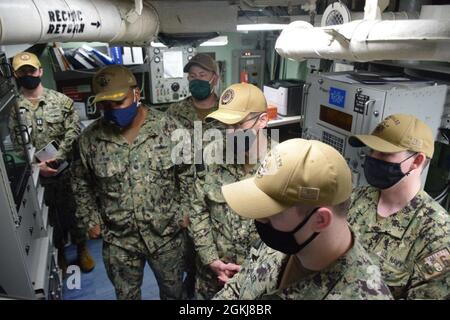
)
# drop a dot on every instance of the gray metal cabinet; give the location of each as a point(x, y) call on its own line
point(28, 258)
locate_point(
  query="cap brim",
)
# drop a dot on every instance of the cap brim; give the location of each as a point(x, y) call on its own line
point(228, 116)
point(115, 95)
point(374, 143)
point(17, 67)
point(195, 63)
point(248, 201)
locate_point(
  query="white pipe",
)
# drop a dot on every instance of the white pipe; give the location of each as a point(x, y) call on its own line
point(338, 12)
point(403, 15)
point(42, 21)
point(367, 40)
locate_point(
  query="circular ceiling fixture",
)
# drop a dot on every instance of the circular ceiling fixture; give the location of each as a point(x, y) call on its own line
point(335, 14)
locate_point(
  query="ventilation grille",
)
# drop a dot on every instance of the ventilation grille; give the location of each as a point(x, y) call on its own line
point(334, 18)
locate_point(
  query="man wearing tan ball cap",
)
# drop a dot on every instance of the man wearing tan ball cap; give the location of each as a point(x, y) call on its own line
point(221, 238)
point(51, 116)
point(299, 199)
point(399, 224)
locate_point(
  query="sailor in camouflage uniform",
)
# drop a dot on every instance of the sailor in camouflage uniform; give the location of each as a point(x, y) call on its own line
point(399, 224)
point(127, 165)
point(299, 199)
point(222, 239)
point(203, 77)
point(51, 116)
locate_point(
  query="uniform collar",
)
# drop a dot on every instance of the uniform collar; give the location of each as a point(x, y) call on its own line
point(396, 224)
point(191, 101)
point(25, 103)
point(193, 108)
point(325, 280)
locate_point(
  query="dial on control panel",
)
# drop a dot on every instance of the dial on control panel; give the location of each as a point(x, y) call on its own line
point(175, 86)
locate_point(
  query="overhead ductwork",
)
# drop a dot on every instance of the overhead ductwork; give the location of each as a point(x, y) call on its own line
point(258, 4)
point(184, 17)
point(369, 40)
point(338, 13)
point(42, 21)
point(193, 22)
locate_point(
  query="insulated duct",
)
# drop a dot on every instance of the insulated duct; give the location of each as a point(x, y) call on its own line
point(43, 21)
point(368, 40)
point(338, 13)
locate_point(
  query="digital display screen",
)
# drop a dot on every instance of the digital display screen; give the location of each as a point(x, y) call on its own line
point(336, 118)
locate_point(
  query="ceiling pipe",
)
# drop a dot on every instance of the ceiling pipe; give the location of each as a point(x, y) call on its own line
point(43, 21)
point(368, 40)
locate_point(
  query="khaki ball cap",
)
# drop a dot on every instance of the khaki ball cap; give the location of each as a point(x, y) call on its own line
point(112, 83)
point(297, 171)
point(396, 133)
point(25, 59)
point(237, 102)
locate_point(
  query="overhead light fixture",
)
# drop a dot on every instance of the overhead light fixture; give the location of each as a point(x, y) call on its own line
point(215, 42)
point(260, 27)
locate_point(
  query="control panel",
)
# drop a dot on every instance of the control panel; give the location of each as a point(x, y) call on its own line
point(248, 66)
point(339, 106)
point(168, 82)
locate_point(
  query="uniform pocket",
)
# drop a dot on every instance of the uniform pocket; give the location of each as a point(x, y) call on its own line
point(54, 121)
point(53, 114)
point(110, 175)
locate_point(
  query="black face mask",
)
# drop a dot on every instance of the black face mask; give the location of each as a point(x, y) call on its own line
point(29, 82)
point(383, 174)
point(247, 135)
point(281, 240)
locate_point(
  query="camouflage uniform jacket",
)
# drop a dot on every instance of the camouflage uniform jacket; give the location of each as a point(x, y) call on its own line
point(411, 246)
point(185, 112)
point(353, 276)
point(53, 118)
point(139, 189)
point(217, 231)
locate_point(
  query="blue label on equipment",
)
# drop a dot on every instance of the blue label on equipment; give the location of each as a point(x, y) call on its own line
point(337, 97)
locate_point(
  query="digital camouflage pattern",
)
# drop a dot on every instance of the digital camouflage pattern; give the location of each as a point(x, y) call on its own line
point(53, 118)
point(352, 277)
point(411, 246)
point(125, 269)
point(218, 232)
point(185, 112)
point(142, 194)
